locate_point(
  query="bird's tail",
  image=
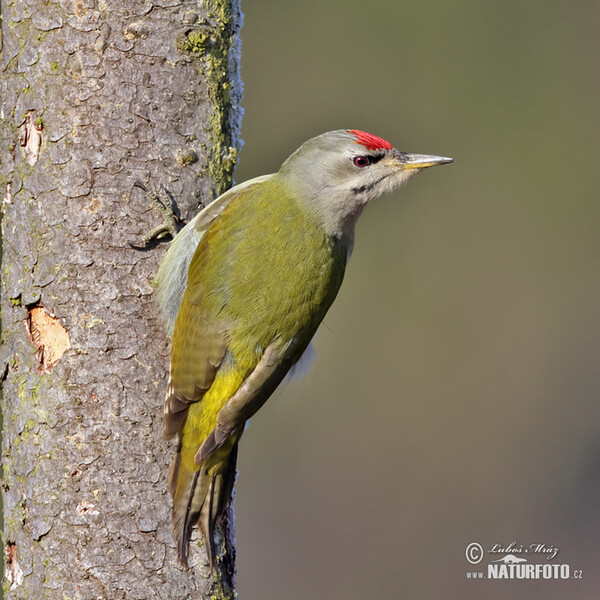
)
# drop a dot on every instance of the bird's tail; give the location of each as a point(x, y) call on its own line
point(200, 496)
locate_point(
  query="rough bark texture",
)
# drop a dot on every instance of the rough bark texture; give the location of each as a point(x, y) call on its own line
point(97, 95)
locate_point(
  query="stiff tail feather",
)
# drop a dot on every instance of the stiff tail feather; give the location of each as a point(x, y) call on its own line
point(199, 498)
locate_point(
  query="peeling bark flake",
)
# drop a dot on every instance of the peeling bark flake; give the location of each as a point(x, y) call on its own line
point(30, 136)
point(48, 335)
point(8, 197)
point(85, 507)
point(13, 570)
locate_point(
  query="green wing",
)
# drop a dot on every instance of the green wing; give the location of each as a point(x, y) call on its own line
point(259, 283)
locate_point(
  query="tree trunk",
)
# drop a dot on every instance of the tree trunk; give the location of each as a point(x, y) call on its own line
point(97, 95)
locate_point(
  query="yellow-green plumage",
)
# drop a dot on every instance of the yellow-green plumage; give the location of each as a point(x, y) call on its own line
point(244, 287)
point(231, 312)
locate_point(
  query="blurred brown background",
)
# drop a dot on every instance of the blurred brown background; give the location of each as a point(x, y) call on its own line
point(455, 396)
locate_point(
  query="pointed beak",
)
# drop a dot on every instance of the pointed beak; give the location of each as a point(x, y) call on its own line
point(420, 161)
point(415, 161)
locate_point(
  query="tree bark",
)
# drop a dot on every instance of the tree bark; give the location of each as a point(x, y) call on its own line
point(97, 95)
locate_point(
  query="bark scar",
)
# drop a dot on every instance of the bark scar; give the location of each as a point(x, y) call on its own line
point(14, 573)
point(47, 334)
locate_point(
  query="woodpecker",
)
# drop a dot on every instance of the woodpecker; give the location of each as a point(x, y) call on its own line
point(243, 289)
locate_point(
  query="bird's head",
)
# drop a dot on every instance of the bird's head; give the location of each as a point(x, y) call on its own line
point(339, 172)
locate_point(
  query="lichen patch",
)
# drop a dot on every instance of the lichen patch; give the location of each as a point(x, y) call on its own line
point(48, 335)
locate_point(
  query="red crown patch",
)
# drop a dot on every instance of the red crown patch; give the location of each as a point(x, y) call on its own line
point(369, 141)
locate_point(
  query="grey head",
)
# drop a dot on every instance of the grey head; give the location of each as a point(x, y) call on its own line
point(338, 173)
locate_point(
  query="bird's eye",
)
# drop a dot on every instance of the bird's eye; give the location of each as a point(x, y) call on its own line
point(360, 161)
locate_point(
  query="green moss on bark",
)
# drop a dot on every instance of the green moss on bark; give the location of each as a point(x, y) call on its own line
point(209, 45)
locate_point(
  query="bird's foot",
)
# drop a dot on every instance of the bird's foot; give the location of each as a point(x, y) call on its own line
point(170, 225)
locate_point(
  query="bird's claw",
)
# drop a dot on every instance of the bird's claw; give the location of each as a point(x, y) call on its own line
point(169, 225)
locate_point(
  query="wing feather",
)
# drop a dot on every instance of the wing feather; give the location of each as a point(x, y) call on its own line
point(195, 358)
point(250, 396)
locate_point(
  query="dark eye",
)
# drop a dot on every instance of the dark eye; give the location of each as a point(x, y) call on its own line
point(360, 161)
